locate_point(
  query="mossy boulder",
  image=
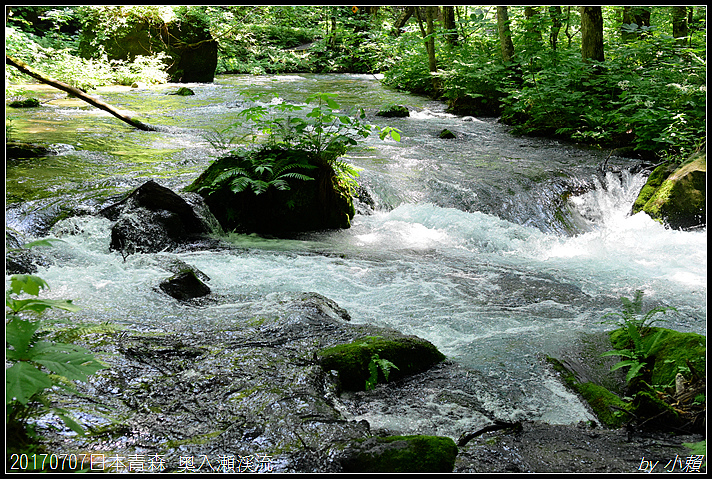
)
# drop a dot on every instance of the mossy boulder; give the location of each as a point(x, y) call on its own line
point(446, 134)
point(671, 352)
point(317, 204)
point(675, 351)
point(608, 407)
point(401, 454)
point(27, 103)
point(394, 111)
point(676, 197)
point(409, 354)
point(182, 34)
point(183, 91)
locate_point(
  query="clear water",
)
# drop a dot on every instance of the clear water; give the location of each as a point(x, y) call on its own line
point(466, 248)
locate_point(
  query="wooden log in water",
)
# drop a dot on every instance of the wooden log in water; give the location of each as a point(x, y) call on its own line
point(28, 70)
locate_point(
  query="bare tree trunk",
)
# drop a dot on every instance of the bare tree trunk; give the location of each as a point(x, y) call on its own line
point(505, 35)
point(429, 38)
point(679, 25)
point(556, 24)
point(450, 26)
point(592, 33)
point(402, 20)
point(25, 68)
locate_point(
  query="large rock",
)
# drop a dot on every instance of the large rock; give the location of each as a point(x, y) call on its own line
point(185, 38)
point(153, 218)
point(677, 198)
point(318, 204)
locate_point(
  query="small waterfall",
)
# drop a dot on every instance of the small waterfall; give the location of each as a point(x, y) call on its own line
point(609, 202)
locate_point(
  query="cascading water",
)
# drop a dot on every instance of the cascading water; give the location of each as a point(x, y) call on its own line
point(476, 244)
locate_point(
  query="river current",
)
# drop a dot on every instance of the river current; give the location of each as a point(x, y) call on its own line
point(498, 249)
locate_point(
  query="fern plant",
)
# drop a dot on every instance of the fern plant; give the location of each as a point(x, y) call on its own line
point(373, 366)
point(38, 365)
point(637, 325)
point(259, 173)
point(324, 133)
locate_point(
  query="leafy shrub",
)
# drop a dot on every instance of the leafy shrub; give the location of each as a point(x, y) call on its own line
point(38, 365)
point(637, 326)
point(323, 132)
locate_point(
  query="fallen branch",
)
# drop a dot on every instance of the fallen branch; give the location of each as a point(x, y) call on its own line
point(25, 68)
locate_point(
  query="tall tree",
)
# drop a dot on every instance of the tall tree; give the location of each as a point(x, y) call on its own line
point(402, 19)
point(450, 26)
point(592, 34)
point(679, 25)
point(505, 34)
point(556, 15)
point(428, 32)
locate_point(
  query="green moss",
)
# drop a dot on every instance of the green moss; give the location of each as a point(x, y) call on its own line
point(604, 403)
point(394, 111)
point(403, 454)
point(410, 355)
point(675, 352)
point(655, 179)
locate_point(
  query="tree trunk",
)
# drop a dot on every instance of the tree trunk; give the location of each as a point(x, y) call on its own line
point(556, 24)
point(679, 25)
point(429, 38)
point(450, 26)
point(25, 68)
point(592, 34)
point(402, 20)
point(505, 35)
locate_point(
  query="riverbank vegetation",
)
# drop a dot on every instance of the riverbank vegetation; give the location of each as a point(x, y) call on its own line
point(616, 77)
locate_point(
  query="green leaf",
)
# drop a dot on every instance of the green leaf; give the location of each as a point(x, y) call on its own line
point(18, 334)
point(622, 364)
point(28, 283)
point(68, 360)
point(69, 421)
point(23, 380)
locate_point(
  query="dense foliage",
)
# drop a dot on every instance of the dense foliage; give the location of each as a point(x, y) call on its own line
point(648, 93)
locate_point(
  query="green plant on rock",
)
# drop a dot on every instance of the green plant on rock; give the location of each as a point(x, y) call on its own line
point(637, 325)
point(259, 173)
point(323, 132)
point(38, 365)
point(373, 366)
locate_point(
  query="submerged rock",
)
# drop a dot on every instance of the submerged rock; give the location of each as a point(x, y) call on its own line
point(446, 135)
point(249, 394)
point(184, 285)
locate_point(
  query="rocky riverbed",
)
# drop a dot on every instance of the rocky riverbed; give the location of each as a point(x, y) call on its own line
point(251, 394)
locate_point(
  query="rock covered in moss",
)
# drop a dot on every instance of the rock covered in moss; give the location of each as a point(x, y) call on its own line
point(183, 91)
point(317, 204)
point(676, 198)
point(653, 392)
point(409, 354)
point(446, 135)
point(394, 111)
point(400, 454)
point(27, 103)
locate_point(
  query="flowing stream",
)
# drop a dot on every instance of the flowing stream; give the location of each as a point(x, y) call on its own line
point(497, 249)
